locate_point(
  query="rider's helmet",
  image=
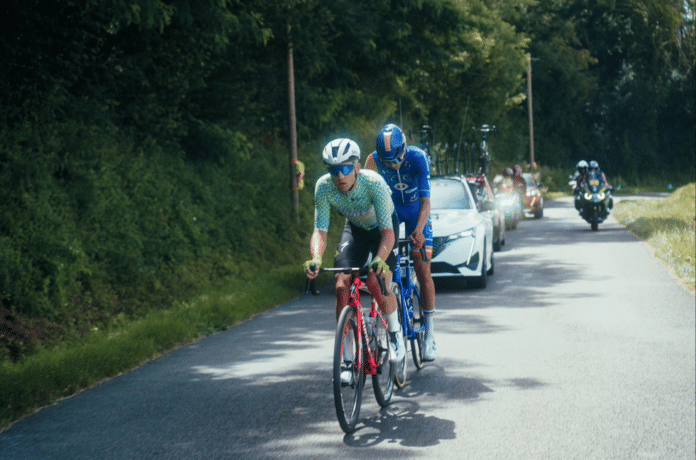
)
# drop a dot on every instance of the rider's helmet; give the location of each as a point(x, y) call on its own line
point(339, 151)
point(391, 144)
point(582, 166)
point(594, 165)
point(507, 172)
point(518, 170)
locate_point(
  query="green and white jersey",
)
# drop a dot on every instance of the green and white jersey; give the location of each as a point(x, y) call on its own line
point(367, 206)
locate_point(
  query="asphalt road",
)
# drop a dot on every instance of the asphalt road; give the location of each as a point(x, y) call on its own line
point(581, 347)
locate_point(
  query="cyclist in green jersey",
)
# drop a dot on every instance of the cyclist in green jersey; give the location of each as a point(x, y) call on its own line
point(364, 198)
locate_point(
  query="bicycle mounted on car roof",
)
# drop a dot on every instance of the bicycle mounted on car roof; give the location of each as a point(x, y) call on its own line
point(484, 151)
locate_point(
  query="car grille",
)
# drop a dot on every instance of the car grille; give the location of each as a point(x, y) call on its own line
point(439, 245)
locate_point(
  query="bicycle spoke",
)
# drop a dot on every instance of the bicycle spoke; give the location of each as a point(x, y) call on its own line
point(347, 371)
point(383, 381)
point(400, 368)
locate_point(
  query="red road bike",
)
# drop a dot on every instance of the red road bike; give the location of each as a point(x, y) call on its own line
point(361, 348)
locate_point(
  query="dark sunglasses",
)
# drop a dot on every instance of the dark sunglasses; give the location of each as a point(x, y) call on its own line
point(398, 157)
point(343, 169)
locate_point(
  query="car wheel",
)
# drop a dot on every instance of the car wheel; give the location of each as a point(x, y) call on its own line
point(491, 270)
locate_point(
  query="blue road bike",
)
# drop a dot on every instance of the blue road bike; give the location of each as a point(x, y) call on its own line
point(405, 286)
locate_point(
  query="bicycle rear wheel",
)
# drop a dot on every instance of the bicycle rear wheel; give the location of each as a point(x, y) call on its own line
point(417, 343)
point(383, 380)
point(347, 357)
point(400, 368)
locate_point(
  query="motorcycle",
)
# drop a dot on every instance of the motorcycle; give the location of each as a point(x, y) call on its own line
point(510, 201)
point(595, 200)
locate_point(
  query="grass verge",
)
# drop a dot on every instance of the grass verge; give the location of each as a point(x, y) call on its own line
point(668, 225)
point(50, 375)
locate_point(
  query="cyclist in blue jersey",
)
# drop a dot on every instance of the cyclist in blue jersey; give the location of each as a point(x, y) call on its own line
point(363, 198)
point(406, 169)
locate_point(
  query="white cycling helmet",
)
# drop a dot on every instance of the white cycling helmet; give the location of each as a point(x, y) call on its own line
point(582, 164)
point(339, 151)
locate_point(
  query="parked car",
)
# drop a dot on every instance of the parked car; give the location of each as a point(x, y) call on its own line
point(462, 236)
point(533, 201)
point(483, 193)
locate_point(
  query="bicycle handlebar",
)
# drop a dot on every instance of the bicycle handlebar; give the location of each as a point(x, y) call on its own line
point(421, 250)
point(310, 285)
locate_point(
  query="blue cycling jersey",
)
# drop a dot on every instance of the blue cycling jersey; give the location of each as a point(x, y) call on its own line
point(410, 182)
point(408, 185)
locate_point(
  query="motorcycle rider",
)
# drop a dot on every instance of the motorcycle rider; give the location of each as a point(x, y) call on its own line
point(594, 167)
point(580, 174)
point(578, 179)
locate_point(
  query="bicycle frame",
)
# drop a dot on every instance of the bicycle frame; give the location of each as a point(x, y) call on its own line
point(355, 302)
point(406, 290)
point(368, 355)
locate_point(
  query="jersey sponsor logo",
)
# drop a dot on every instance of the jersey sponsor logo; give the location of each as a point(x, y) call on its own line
point(400, 186)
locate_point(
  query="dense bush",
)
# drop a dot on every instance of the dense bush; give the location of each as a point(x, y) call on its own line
point(95, 225)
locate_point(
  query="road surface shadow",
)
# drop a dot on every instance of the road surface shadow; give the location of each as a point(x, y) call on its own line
point(401, 422)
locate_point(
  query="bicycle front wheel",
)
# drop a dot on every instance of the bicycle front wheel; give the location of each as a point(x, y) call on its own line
point(400, 368)
point(417, 343)
point(348, 376)
point(383, 380)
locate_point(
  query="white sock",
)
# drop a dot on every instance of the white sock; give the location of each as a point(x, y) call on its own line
point(393, 321)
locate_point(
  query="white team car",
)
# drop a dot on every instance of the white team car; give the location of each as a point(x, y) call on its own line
point(462, 236)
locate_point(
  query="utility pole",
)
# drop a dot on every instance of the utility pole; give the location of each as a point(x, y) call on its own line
point(529, 105)
point(293, 128)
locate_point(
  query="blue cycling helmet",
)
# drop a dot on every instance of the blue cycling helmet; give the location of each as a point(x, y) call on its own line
point(594, 165)
point(391, 144)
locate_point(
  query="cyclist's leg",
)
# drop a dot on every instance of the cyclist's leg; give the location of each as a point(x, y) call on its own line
point(348, 254)
point(427, 292)
point(387, 304)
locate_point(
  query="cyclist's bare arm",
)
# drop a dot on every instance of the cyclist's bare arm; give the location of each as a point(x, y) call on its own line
point(370, 164)
point(386, 243)
point(317, 247)
point(417, 238)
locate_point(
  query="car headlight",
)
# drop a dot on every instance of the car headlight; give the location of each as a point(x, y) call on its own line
point(464, 234)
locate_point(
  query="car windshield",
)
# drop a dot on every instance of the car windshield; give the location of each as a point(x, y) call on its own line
point(448, 194)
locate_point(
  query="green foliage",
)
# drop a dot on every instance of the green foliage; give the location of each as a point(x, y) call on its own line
point(142, 144)
point(51, 374)
point(668, 225)
point(94, 226)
